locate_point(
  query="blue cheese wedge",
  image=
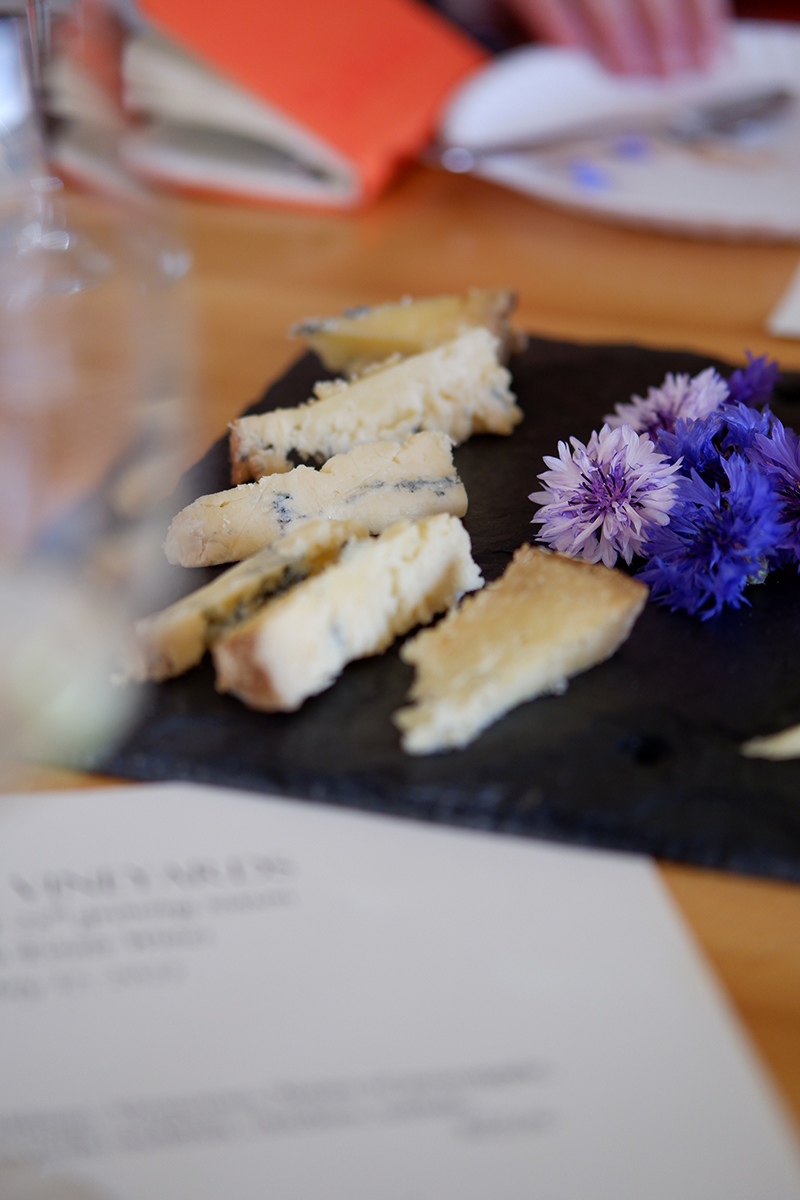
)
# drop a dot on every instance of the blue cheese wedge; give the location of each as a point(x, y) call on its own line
point(175, 639)
point(546, 619)
point(459, 388)
point(362, 336)
point(379, 588)
point(375, 485)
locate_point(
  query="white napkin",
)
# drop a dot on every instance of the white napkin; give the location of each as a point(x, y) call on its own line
point(784, 320)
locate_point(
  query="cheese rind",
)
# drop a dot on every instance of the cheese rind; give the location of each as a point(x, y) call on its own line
point(173, 640)
point(359, 337)
point(375, 484)
point(546, 619)
point(297, 644)
point(458, 388)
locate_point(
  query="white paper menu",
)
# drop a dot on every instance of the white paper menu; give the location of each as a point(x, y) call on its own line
point(207, 995)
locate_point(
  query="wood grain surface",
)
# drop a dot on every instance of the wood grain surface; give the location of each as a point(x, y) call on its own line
point(256, 271)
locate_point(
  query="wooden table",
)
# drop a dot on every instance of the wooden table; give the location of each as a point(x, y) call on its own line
point(257, 271)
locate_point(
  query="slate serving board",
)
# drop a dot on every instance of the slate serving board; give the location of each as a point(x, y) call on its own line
point(640, 754)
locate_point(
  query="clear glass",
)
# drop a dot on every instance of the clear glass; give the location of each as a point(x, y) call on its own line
point(94, 378)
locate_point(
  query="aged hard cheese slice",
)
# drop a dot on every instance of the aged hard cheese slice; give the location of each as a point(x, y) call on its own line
point(458, 388)
point(170, 642)
point(547, 618)
point(367, 335)
point(375, 484)
point(297, 644)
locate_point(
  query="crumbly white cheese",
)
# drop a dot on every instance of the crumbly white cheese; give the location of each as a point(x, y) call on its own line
point(546, 619)
point(375, 484)
point(778, 747)
point(362, 336)
point(170, 642)
point(297, 644)
point(459, 388)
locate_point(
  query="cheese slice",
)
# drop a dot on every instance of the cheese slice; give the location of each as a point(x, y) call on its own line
point(459, 388)
point(362, 336)
point(375, 484)
point(546, 619)
point(297, 644)
point(170, 642)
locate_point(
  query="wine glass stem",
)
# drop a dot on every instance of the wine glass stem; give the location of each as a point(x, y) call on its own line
point(39, 31)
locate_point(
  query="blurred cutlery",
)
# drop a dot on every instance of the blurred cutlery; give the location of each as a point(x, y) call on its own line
point(689, 124)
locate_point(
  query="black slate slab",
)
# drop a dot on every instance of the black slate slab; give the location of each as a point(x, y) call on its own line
point(640, 754)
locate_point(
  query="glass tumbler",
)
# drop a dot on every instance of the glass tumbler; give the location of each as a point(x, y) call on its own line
point(94, 369)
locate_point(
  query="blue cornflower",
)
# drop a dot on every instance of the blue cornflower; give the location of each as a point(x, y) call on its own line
point(716, 541)
point(679, 397)
point(606, 497)
point(756, 383)
point(703, 445)
point(778, 457)
point(694, 444)
point(743, 424)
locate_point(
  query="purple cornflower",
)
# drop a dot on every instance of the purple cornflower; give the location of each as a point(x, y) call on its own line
point(679, 397)
point(716, 541)
point(755, 384)
point(605, 498)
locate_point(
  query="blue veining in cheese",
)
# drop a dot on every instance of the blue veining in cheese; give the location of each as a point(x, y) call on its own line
point(379, 588)
point(375, 484)
point(459, 388)
point(175, 639)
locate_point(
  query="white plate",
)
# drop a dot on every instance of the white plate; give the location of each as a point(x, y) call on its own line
point(744, 187)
